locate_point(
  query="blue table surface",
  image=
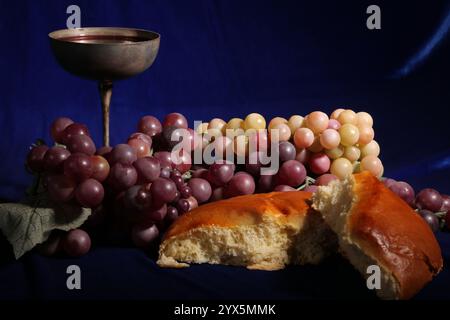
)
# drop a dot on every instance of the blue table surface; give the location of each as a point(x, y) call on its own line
point(129, 273)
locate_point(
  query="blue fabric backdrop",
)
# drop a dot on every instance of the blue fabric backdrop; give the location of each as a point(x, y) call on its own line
point(227, 59)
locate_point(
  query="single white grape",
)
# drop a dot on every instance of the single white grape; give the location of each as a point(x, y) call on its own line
point(254, 121)
point(335, 153)
point(303, 138)
point(330, 139)
point(334, 124)
point(284, 133)
point(295, 122)
point(341, 168)
point(349, 134)
point(366, 134)
point(370, 149)
point(234, 127)
point(364, 119)
point(235, 123)
point(275, 121)
point(335, 114)
point(202, 128)
point(213, 133)
point(347, 116)
point(372, 164)
point(317, 121)
point(218, 124)
point(352, 153)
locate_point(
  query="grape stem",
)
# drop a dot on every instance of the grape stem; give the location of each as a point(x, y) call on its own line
point(440, 214)
point(187, 175)
point(308, 181)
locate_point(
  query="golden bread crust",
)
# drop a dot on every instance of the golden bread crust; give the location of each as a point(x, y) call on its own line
point(288, 207)
point(387, 229)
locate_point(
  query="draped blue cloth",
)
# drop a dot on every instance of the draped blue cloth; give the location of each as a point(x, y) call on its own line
point(227, 59)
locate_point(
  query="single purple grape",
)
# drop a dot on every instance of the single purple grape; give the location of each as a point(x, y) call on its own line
point(149, 125)
point(220, 173)
point(165, 173)
point(445, 207)
point(265, 183)
point(241, 184)
point(283, 187)
point(388, 182)
point(287, 151)
point(404, 191)
point(429, 199)
point(90, 193)
point(182, 205)
point(217, 194)
point(311, 188)
point(124, 154)
point(143, 235)
point(291, 173)
point(165, 159)
point(172, 214)
point(201, 189)
point(201, 173)
point(185, 191)
point(148, 169)
point(156, 215)
point(431, 219)
point(77, 243)
point(35, 158)
point(163, 191)
point(325, 179)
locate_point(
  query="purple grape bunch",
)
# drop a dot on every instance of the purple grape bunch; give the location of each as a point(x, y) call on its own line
point(432, 206)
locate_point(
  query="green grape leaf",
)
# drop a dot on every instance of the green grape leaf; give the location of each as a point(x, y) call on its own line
point(27, 224)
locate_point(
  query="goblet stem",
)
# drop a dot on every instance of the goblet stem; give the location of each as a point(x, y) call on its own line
point(105, 88)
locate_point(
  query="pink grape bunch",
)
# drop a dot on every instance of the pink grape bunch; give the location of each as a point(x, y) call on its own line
point(316, 145)
point(431, 205)
point(340, 144)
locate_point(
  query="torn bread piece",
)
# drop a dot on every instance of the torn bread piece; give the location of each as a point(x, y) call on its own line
point(375, 227)
point(262, 231)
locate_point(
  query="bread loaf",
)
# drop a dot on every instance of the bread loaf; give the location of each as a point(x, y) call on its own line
point(375, 227)
point(369, 223)
point(262, 231)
